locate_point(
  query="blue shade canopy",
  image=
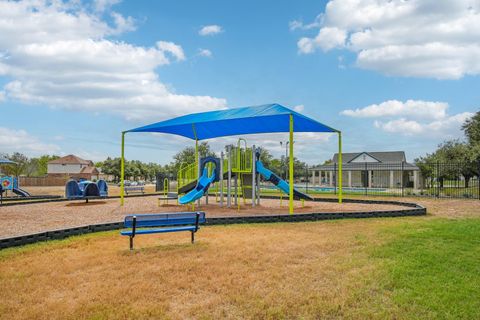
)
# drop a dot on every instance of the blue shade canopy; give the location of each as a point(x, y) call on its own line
point(248, 120)
point(6, 161)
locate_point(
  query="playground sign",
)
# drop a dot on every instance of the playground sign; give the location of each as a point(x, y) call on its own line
point(7, 183)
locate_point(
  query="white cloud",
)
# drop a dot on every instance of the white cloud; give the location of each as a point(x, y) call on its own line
point(12, 140)
point(412, 117)
point(205, 53)
point(327, 39)
point(299, 108)
point(2, 96)
point(123, 24)
point(418, 38)
point(450, 126)
point(295, 24)
point(298, 24)
point(102, 5)
point(210, 30)
point(88, 155)
point(413, 108)
point(62, 57)
point(172, 48)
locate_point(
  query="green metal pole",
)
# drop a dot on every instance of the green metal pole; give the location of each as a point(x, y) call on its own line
point(290, 210)
point(122, 171)
point(196, 151)
point(196, 158)
point(340, 172)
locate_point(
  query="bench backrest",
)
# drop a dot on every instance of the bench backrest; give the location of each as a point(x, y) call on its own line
point(164, 219)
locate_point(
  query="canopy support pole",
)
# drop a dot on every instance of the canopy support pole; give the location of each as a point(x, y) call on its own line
point(122, 171)
point(291, 166)
point(340, 171)
point(196, 151)
point(196, 158)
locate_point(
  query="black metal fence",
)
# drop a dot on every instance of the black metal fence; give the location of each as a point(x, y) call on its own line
point(433, 179)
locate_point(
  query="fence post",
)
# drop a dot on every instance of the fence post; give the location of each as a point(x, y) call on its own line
point(403, 182)
point(306, 179)
point(335, 178)
point(478, 179)
point(437, 185)
point(365, 179)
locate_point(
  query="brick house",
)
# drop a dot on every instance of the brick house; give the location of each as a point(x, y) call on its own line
point(72, 167)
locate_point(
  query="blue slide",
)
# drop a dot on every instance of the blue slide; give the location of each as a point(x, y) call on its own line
point(279, 182)
point(21, 193)
point(201, 188)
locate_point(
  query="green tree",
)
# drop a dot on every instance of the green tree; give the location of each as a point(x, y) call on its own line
point(471, 128)
point(112, 167)
point(427, 165)
point(20, 167)
point(187, 155)
point(42, 164)
point(459, 154)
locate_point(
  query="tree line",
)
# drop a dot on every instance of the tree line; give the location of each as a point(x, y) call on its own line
point(138, 170)
point(455, 157)
point(30, 167)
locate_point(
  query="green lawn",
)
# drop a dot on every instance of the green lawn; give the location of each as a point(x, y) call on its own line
point(428, 270)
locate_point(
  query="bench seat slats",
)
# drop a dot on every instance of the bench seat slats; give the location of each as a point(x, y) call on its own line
point(160, 230)
point(162, 223)
point(164, 219)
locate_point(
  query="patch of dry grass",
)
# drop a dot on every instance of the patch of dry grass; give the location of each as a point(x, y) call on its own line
point(271, 271)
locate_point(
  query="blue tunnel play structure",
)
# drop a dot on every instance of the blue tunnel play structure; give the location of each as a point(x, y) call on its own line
point(85, 190)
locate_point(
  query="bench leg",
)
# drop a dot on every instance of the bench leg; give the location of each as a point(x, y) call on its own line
point(131, 243)
point(193, 237)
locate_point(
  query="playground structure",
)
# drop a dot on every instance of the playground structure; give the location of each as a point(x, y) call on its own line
point(10, 183)
point(248, 120)
point(240, 168)
point(86, 190)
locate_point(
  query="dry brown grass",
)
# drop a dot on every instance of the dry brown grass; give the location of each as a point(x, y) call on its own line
point(271, 271)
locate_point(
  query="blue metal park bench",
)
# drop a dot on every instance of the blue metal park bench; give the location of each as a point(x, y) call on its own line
point(161, 223)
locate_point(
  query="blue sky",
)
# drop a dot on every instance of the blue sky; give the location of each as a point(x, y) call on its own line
point(391, 75)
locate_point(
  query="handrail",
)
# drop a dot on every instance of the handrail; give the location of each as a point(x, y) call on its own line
point(242, 159)
point(186, 174)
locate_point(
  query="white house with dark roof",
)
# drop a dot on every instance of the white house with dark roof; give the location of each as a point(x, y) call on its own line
point(388, 169)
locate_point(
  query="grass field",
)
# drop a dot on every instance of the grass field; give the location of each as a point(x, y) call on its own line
point(402, 268)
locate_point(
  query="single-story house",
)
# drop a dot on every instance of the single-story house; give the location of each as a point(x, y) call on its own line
point(72, 167)
point(368, 170)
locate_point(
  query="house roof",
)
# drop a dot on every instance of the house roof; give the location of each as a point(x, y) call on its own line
point(71, 159)
point(383, 161)
point(382, 157)
point(248, 120)
point(91, 170)
point(358, 166)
